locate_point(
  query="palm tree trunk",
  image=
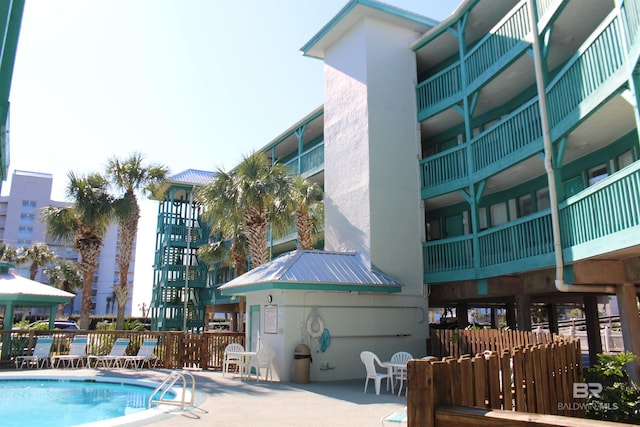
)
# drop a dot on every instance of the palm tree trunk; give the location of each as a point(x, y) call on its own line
point(304, 225)
point(128, 231)
point(89, 250)
point(256, 226)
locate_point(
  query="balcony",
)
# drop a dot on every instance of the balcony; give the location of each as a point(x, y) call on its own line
point(601, 219)
point(505, 42)
point(181, 235)
point(311, 162)
point(596, 72)
point(175, 275)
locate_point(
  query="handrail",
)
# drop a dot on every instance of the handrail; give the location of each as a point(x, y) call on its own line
point(167, 385)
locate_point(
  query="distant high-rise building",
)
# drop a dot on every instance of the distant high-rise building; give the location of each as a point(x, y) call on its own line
point(21, 225)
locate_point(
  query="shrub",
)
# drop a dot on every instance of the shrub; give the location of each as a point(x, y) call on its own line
point(619, 399)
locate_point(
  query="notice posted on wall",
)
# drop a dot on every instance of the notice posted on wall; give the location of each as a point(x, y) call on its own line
point(271, 319)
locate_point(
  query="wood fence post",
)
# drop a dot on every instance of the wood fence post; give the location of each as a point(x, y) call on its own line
point(421, 394)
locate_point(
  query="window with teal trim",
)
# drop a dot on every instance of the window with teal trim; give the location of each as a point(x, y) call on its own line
point(597, 174)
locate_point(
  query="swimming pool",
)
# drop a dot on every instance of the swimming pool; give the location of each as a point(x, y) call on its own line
point(66, 402)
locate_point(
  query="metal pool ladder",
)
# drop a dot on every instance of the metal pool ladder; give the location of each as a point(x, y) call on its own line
point(158, 395)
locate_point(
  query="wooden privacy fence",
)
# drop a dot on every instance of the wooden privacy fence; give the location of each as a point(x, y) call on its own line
point(456, 342)
point(535, 379)
point(174, 350)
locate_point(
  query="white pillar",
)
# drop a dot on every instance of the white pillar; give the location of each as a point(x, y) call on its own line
point(630, 323)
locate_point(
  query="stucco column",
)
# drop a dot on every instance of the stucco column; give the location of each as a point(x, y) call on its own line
point(523, 312)
point(630, 322)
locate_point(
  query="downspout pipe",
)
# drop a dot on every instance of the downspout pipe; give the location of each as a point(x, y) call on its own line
point(548, 166)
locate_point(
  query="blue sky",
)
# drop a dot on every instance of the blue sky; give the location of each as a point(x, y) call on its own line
point(189, 83)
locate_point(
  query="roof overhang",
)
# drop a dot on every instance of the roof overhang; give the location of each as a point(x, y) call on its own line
point(20, 291)
point(354, 12)
point(313, 270)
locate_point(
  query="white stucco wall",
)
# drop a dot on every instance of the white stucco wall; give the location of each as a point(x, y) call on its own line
point(356, 322)
point(372, 145)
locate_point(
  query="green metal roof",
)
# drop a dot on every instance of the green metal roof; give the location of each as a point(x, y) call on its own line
point(313, 270)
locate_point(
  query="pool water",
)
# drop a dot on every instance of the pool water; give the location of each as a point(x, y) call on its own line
point(62, 403)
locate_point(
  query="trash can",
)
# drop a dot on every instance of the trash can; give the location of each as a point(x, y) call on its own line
point(301, 364)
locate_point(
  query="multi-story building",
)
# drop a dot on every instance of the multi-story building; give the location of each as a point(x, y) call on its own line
point(490, 160)
point(21, 225)
point(10, 22)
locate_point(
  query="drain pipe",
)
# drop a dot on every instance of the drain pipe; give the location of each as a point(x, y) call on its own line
point(548, 166)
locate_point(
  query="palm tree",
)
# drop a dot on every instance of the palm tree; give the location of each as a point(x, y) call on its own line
point(86, 221)
point(64, 275)
point(39, 254)
point(306, 197)
point(262, 191)
point(224, 216)
point(130, 176)
point(8, 253)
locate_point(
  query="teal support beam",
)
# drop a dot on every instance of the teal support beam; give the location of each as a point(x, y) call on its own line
point(299, 133)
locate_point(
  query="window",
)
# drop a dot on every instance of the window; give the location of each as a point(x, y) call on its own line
point(27, 219)
point(525, 205)
point(482, 218)
point(433, 230)
point(625, 159)
point(542, 199)
point(597, 174)
point(499, 214)
point(28, 206)
point(25, 232)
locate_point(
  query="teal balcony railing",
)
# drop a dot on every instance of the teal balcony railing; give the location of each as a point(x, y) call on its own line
point(517, 136)
point(440, 90)
point(175, 275)
point(503, 43)
point(631, 11)
point(587, 80)
point(310, 160)
point(520, 129)
point(521, 239)
point(449, 255)
point(196, 236)
point(499, 43)
point(604, 209)
point(602, 218)
point(594, 65)
point(446, 167)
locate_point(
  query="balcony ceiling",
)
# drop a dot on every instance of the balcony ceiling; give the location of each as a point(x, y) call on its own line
point(573, 26)
point(444, 44)
point(607, 124)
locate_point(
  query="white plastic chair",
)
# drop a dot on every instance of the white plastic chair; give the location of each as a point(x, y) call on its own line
point(262, 360)
point(111, 360)
point(370, 360)
point(145, 355)
point(41, 354)
point(400, 374)
point(76, 355)
point(232, 359)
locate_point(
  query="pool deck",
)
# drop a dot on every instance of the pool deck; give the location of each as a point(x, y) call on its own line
point(230, 401)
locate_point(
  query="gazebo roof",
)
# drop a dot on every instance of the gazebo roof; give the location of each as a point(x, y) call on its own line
point(18, 290)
